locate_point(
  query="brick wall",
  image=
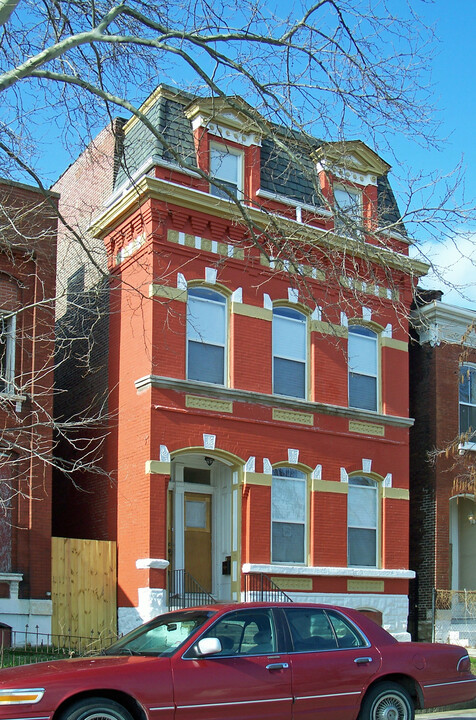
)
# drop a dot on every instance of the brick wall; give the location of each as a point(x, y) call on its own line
point(28, 223)
point(82, 343)
point(434, 394)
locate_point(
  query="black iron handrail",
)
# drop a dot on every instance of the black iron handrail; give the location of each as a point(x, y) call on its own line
point(185, 591)
point(260, 588)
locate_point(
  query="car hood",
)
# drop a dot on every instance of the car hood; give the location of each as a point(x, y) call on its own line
point(35, 674)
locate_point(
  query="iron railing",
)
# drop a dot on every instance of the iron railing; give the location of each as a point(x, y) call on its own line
point(454, 617)
point(185, 591)
point(260, 588)
point(31, 646)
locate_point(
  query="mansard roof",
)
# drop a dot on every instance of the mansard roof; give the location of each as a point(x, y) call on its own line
point(173, 112)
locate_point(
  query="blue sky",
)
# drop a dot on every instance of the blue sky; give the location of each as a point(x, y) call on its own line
point(453, 85)
point(453, 77)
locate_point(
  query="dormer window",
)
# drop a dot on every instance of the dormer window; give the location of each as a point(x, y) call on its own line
point(348, 210)
point(226, 165)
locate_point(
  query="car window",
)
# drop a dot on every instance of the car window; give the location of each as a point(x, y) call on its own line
point(161, 636)
point(246, 632)
point(317, 629)
point(310, 629)
point(346, 633)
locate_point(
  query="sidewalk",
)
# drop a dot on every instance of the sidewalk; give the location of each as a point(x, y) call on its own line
point(448, 715)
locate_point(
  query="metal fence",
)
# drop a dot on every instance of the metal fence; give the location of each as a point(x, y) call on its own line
point(185, 591)
point(454, 617)
point(260, 588)
point(31, 646)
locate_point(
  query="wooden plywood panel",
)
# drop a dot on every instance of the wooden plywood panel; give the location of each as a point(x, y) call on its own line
point(84, 587)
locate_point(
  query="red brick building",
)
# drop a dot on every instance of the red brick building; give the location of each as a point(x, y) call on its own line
point(443, 403)
point(259, 398)
point(27, 289)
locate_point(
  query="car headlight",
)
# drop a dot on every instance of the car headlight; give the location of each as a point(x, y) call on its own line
point(21, 696)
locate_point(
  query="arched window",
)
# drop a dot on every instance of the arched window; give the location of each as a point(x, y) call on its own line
point(467, 399)
point(206, 335)
point(362, 522)
point(289, 352)
point(363, 368)
point(288, 516)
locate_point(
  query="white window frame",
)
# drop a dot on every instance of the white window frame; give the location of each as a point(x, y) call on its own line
point(296, 476)
point(8, 362)
point(239, 154)
point(470, 371)
point(357, 217)
point(374, 339)
point(374, 490)
point(222, 302)
point(302, 320)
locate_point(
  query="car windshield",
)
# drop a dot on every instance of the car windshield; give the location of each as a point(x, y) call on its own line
point(161, 636)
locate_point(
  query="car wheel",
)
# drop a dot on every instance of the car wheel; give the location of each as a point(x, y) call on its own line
point(96, 709)
point(387, 701)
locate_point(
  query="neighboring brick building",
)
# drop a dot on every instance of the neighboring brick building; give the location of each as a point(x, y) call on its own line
point(443, 403)
point(28, 223)
point(242, 440)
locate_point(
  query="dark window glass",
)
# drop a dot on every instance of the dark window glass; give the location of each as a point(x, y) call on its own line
point(467, 400)
point(245, 632)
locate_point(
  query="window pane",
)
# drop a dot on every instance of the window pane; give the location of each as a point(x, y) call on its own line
point(206, 320)
point(347, 201)
point(289, 378)
point(206, 363)
point(467, 418)
point(362, 391)
point(347, 634)
point(288, 472)
point(362, 507)
point(289, 337)
point(362, 547)
point(224, 165)
point(288, 499)
point(464, 384)
point(249, 632)
point(362, 354)
point(310, 630)
point(288, 542)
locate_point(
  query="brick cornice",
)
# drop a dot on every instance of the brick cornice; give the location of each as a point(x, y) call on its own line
point(199, 201)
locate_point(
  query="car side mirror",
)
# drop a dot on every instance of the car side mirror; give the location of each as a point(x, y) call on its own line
point(208, 646)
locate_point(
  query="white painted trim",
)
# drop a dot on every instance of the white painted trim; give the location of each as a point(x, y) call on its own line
point(467, 447)
point(156, 564)
point(365, 572)
point(438, 322)
point(294, 203)
point(212, 390)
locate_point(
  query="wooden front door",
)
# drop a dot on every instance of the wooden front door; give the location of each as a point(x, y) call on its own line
point(198, 538)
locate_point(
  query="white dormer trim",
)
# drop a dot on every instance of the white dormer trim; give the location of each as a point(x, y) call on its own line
point(225, 133)
point(341, 173)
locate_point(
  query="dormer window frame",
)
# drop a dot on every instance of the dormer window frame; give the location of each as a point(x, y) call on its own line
point(228, 149)
point(340, 227)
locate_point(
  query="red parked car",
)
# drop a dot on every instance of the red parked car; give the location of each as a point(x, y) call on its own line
point(253, 661)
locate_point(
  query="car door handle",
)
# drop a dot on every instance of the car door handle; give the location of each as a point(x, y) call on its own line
point(363, 660)
point(277, 666)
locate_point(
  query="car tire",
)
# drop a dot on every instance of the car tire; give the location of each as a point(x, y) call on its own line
point(387, 701)
point(96, 708)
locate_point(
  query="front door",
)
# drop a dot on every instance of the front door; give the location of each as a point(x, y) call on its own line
point(198, 538)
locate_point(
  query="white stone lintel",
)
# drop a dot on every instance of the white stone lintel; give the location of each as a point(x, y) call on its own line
point(374, 573)
point(155, 563)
